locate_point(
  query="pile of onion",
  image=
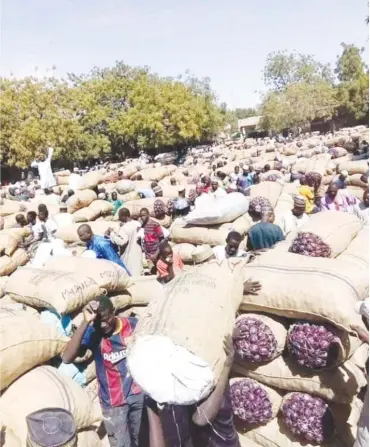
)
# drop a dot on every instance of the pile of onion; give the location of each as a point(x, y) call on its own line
point(262, 338)
point(259, 205)
point(308, 417)
point(252, 401)
point(313, 346)
point(309, 244)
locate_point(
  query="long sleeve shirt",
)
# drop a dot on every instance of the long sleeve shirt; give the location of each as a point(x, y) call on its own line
point(47, 179)
point(103, 248)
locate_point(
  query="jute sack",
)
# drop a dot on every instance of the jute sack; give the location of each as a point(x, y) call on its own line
point(357, 252)
point(10, 239)
point(16, 310)
point(10, 222)
point(45, 387)
point(355, 180)
point(125, 186)
point(318, 163)
point(90, 372)
point(335, 228)
point(184, 251)
point(3, 281)
point(69, 233)
point(85, 215)
point(101, 207)
point(11, 207)
point(144, 289)
point(25, 343)
point(133, 195)
point(274, 397)
point(354, 167)
point(142, 184)
point(300, 287)
point(134, 206)
point(108, 275)
point(356, 191)
point(64, 173)
point(188, 359)
point(92, 179)
point(62, 180)
point(88, 438)
point(70, 291)
point(80, 199)
point(154, 174)
point(269, 190)
point(7, 266)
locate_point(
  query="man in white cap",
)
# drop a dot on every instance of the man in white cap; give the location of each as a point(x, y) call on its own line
point(293, 220)
point(362, 438)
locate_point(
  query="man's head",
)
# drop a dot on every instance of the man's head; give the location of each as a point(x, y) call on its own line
point(105, 321)
point(365, 198)
point(245, 170)
point(266, 168)
point(236, 170)
point(214, 167)
point(85, 233)
point(124, 215)
point(173, 181)
point(63, 208)
point(21, 220)
point(70, 192)
point(195, 161)
point(31, 217)
point(214, 185)
point(332, 190)
point(144, 216)
point(165, 251)
point(198, 189)
point(302, 180)
point(299, 205)
point(268, 217)
point(181, 191)
point(232, 243)
point(158, 191)
point(43, 213)
point(42, 157)
point(114, 196)
point(120, 175)
point(48, 191)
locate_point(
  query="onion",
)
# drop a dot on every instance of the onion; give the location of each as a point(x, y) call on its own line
point(308, 417)
point(309, 244)
point(259, 205)
point(258, 343)
point(311, 345)
point(250, 401)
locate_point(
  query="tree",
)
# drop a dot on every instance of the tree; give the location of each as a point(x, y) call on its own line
point(283, 68)
point(350, 65)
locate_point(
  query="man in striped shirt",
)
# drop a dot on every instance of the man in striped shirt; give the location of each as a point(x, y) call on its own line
point(151, 235)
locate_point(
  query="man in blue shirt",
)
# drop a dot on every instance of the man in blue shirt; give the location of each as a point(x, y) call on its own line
point(101, 246)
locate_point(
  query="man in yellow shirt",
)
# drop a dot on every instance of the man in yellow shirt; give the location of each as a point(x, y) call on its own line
point(308, 193)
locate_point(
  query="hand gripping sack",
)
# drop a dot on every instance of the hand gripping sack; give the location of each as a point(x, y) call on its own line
point(25, 343)
point(218, 211)
point(45, 387)
point(270, 190)
point(52, 289)
point(108, 275)
point(300, 287)
point(172, 334)
point(335, 228)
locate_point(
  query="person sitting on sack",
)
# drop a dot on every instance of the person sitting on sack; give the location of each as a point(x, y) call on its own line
point(361, 210)
point(116, 203)
point(101, 246)
point(121, 399)
point(293, 220)
point(216, 191)
point(169, 263)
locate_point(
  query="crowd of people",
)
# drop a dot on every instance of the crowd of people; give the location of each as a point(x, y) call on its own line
point(129, 415)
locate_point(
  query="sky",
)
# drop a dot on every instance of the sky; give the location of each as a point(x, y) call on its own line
point(225, 40)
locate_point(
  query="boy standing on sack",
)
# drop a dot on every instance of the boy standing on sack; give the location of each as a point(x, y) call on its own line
point(121, 399)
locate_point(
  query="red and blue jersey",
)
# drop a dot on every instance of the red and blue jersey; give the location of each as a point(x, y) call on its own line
point(115, 382)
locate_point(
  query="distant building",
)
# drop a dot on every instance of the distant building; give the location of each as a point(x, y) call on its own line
point(249, 125)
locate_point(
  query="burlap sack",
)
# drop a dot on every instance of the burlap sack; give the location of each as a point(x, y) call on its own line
point(10, 222)
point(92, 179)
point(62, 180)
point(357, 252)
point(40, 388)
point(134, 206)
point(85, 215)
point(354, 167)
point(300, 287)
point(165, 222)
point(64, 173)
point(142, 184)
point(69, 233)
point(133, 195)
point(355, 180)
point(184, 251)
point(336, 228)
point(274, 397)
point(144, 290)
point(10, 239)
point(80, 199)
point(7, 266)
point(108, 275)
point(125, 186)
point(3, 281)
point(153, 174)
point(356, 191)
point(209, 296)
point(269, 190)
point(277, 326)
point(8, 207)
point(70, 291)
point(101, 207)
point(90, 372)
point(318, 163)
point(25, 343)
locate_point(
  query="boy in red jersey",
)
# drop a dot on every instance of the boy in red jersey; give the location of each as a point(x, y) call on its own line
point(120, 398)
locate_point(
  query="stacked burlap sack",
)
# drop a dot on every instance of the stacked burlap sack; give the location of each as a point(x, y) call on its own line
point(35, 331)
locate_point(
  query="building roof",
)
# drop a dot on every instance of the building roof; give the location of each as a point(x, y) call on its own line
point(252, 121)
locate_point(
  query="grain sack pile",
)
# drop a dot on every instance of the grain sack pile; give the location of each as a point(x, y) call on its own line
point(298, 374)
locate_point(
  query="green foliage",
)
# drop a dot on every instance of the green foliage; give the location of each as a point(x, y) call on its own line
point(232, 116)
point(350, 65)
point(106, 110)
